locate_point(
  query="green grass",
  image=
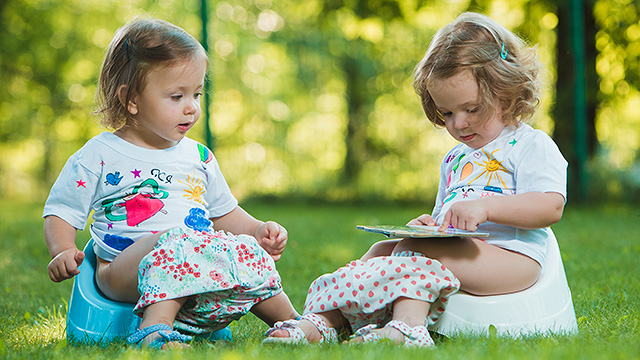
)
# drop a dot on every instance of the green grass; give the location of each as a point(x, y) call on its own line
point(599, 245)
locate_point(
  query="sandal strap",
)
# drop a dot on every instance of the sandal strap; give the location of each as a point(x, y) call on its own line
point(174, 336)
point(167, 334)
point(367, 333)
point(296, 335)
point(329, 334)
point(413, 336)
point(140, 334)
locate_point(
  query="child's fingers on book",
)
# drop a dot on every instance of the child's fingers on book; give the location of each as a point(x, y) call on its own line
point(446, 221)
point(426, 219)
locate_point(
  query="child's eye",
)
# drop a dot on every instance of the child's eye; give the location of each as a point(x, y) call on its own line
point(474, 110)
point(176, 97)
point(197, 95)
point(447, 114)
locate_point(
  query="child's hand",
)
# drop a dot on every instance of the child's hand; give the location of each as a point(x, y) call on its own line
point(272, 237)
point(65, 265)
point(424, 219)
point(465, 215)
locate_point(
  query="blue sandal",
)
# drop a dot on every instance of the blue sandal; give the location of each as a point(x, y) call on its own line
point(167, 334)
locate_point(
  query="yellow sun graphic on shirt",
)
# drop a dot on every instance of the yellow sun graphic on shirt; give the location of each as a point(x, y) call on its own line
point(491, 168)
point(195, 190)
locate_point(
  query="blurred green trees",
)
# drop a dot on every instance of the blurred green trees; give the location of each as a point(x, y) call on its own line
point(309, 98)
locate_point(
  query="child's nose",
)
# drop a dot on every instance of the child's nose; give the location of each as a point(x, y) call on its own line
point(461, 121)
point(191, 107)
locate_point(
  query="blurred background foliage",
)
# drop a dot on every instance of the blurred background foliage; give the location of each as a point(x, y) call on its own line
point(313, 98)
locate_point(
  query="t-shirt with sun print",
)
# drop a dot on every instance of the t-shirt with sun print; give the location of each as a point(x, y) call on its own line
point(521, 159)
point(135, 192)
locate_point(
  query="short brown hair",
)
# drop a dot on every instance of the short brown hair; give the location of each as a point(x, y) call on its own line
point(505, 68)
point(137, 48)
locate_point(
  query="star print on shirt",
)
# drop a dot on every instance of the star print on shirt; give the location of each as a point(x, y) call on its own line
point(102, 163)
point(513, 142)
point(136, 173)
point(109, 226)
point(81, 183)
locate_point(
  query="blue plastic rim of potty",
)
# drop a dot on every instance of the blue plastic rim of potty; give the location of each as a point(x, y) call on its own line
point(94, 319)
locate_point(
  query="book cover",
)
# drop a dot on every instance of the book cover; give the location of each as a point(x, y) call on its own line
point(418, 231)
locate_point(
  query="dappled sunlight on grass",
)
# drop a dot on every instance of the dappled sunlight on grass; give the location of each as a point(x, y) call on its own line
point(40, 330)
point(600, 269)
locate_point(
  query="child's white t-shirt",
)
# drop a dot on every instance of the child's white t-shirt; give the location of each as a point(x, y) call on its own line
point(135, 192)
point(521, 159)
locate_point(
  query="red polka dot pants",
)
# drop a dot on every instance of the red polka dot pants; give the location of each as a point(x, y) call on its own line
point(365, 291)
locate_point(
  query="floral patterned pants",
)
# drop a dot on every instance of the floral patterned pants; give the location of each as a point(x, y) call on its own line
point(222, 275)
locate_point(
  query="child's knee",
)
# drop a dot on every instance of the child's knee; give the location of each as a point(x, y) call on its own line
point(408, 244)
point(114, 285)
point(381, 248)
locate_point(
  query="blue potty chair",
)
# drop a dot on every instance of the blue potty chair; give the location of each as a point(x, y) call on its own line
point(543, 309)
point(92, 318)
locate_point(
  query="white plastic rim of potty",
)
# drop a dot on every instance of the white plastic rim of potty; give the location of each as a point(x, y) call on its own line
point(544, 308)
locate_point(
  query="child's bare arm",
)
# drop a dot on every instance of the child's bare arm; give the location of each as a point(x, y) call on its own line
point(532, 210)
point(60, 238)
point(237, 221)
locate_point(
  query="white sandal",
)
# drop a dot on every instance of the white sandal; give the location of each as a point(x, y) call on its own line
point(297, 336)
point(417, 336)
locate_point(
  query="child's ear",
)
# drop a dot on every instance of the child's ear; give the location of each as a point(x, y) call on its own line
point(132, 106)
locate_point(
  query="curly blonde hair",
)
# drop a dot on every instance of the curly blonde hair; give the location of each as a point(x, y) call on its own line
point(505, 68)
point(137, 48)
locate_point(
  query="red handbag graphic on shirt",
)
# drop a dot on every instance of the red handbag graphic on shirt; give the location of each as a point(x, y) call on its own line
point(139, 206)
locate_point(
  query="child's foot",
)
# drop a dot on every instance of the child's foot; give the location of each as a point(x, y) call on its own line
point(159, 336)
point(156, 338)
point(309, 328)
point(396, 331)
point(311, 333)
point(373, 332)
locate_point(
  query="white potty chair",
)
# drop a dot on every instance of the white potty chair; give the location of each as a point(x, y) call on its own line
point(544, 308)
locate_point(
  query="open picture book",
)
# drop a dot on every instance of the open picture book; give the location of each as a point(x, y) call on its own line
point(418, 231)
